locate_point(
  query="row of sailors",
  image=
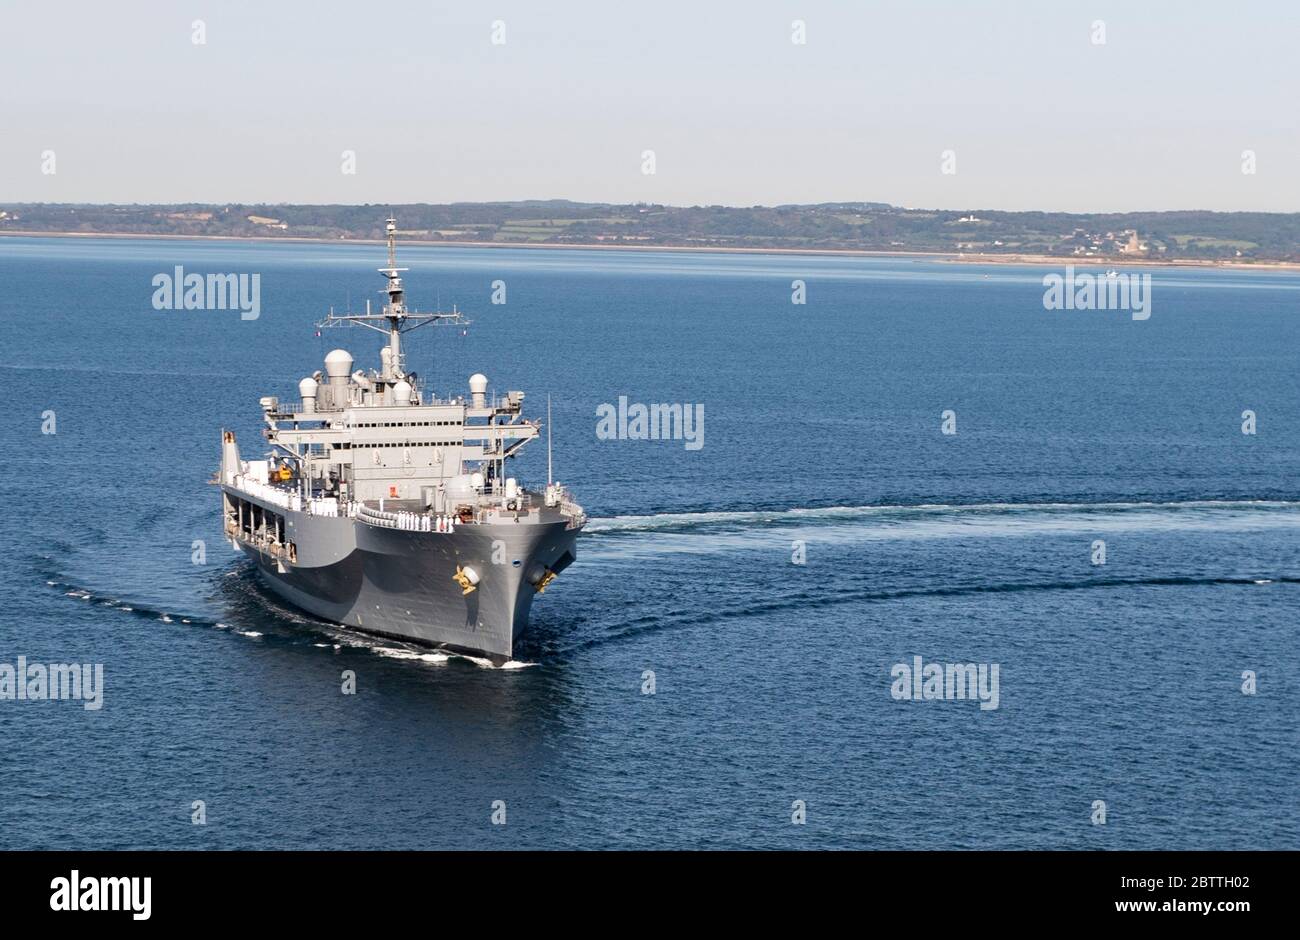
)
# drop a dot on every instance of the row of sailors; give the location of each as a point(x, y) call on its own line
point(410, 521)
point(285, 499)
point(272, 494)
point(324, 506)
point(329, 506)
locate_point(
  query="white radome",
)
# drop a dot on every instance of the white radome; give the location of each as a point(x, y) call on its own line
point(338, 364)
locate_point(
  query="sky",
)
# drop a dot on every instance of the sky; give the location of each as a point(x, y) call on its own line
point(1016, 96)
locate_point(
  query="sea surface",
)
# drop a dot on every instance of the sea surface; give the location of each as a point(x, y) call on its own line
point(773, 682)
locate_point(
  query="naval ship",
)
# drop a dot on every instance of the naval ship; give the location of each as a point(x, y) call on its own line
point(392, 512)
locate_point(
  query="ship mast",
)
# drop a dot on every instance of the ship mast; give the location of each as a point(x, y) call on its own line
point(394, 309)
point(394, 319)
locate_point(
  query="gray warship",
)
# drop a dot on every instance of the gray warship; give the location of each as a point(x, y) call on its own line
point(392, 512)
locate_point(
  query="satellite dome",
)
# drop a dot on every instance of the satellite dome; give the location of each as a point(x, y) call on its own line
point(478, 383)
point(338, 364)
point(307, 387)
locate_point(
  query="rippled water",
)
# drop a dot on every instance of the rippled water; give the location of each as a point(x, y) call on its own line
point(1118, 682)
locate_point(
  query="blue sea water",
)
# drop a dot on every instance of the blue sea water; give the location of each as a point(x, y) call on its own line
point(1119, 682)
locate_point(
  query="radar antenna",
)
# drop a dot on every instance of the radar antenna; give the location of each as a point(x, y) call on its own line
point(395, 319)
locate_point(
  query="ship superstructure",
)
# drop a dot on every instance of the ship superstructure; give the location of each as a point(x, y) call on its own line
point(394, 512)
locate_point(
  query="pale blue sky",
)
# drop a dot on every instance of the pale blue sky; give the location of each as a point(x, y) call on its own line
point(1039, 116)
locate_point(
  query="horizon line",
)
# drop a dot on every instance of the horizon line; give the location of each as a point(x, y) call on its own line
point(664, 205)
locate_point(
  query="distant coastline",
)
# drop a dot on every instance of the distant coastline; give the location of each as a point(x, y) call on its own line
point(1193, 237)
point(1026, 260)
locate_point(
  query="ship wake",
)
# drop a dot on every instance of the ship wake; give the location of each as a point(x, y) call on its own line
point(711, 532)
point(805, 601)
point(256, 614)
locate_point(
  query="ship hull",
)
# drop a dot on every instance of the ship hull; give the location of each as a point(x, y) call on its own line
point(400, 584)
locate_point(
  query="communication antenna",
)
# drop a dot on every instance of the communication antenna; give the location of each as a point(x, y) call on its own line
point(395, 318)
point(548, 438)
